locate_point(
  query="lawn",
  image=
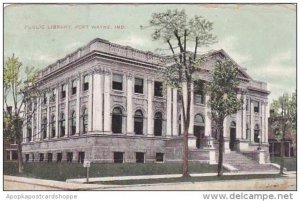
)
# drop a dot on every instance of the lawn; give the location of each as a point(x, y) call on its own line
point(189, 179)
point(63, 171)
point(289, 163)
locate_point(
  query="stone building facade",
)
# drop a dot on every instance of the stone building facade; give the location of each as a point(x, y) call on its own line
point(105, 103)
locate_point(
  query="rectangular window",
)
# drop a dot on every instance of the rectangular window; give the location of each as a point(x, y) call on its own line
point(63, 91)
point(80, 157)
point(53, 95)
point(139, 85)
point(140, 157)
point(159, 157)
point(86, 83)
point(69, 157)
point(74, 87)
point(59, 157)
point(117, 82)
point(45, 98)
point(41, 157)
point(158, 89)
point(256, 106)
point(118, 157)
point(50, 157)
point(32, 157)
point(198, 92)
point(26, 157)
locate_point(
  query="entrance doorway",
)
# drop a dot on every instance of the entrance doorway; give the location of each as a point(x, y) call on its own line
point(232, 136)
point(199, 130)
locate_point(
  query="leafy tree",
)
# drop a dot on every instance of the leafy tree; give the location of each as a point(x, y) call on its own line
point(180, 33)
point(16, 95)
point(223, 99)
point(283, 119)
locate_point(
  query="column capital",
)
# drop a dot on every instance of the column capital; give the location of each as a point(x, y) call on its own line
point(150, 80)
point(129, 76)
point(107, 72)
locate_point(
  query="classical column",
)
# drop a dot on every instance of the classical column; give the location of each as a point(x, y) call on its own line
point(191, 126)
point(67, 110)
point(207, 119)
point(24, 140)
point(239, 122)
point(39, 118)
point(169, 111)
point(98, 102)
point(32, 123)
point(263, 116)
point(129, 104)
point(267, 115)
point(78, 106)
point(226, 127)
point(90, 103)
point(252, 121)
point(244, 113)
point(48, 117)
point(184, 104)
point(107, 115)
point(150, 125)
point(175, 116)
point(57, 112)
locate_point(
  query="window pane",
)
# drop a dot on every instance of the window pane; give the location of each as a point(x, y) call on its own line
point(158, 89)
point(138, 85)
point(117, 78)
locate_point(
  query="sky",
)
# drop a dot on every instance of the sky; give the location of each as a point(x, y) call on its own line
point(259, 37)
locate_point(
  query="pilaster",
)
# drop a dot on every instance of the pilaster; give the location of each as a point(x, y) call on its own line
point(107, 88)
point(150, 122)
point(191, 126)
point(244, 120)
point(239, 122)
point(57, 112)
point(67, 110)
point(169, 111)
point(207, 119)
point(175, 115)
point(252, 121)
point(90, 103)
point(129, 104)
point(78, 105)
point(98, 101)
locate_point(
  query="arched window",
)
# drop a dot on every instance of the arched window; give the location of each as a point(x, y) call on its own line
point(117, 120)
point(73, 123)
point(84, 120)
point(232, 124)
point(199, 129)
point(138, 122)
point(158, 124)
point(256, 134)
point(53, 126)
point(179, 125)
point(62, 125)
point(44, 127)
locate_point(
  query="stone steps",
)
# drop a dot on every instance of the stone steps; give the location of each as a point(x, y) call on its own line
point(243, 163)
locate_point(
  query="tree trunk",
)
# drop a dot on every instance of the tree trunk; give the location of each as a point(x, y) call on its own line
point(282, 150)
point(185, 154)
point(221, 149)
point(20, 158)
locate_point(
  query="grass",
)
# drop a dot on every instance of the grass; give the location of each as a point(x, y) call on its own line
point(289, 163)
point(63, 171)
point(189, 179)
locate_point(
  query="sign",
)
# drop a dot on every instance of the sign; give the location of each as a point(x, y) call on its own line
point(86, 164)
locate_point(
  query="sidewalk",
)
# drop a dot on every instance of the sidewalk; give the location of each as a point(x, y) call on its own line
point(23, 183)
point(140, 177)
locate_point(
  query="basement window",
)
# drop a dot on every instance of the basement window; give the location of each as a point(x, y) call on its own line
point(159, 157)
point(118, 157)
point(140, 157)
